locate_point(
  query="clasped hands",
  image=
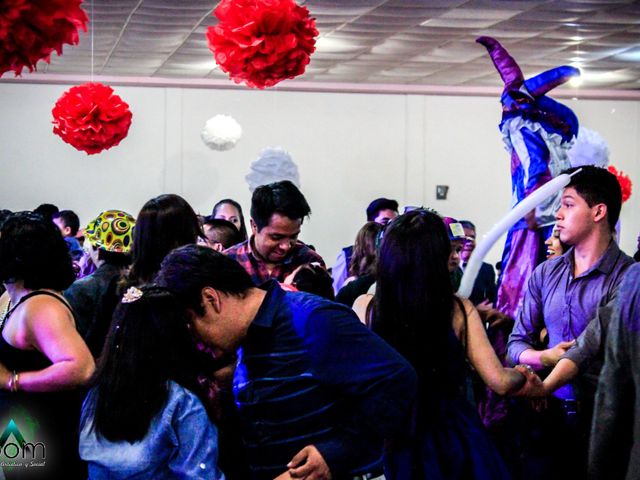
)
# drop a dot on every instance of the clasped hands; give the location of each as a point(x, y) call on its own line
point(533, 387)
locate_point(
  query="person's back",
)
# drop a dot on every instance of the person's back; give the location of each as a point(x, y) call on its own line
point(143, 419)
point(163, 223)
point(416, 311)
point(108, 242)
point(156, 456)
point(43, 361)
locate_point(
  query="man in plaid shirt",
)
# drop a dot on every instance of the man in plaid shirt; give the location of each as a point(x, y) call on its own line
point(273, 250)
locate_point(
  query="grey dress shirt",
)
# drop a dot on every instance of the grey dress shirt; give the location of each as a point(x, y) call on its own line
point(615, 432)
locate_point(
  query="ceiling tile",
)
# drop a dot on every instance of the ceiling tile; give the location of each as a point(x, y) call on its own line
point(377, 41)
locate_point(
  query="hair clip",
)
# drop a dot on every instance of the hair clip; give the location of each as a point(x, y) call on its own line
point(131, 295)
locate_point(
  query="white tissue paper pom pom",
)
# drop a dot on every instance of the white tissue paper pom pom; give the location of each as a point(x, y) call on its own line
point(273, 165)
point(589, 149)
point(221, 132)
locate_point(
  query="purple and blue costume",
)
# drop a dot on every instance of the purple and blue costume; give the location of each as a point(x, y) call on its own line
point(537, 132)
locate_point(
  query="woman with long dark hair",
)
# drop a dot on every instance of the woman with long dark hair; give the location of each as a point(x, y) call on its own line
point(230, 210)
point(362, 267)
point(143, 418)
point(164, 223)
point(43, 359)
point(416, 311)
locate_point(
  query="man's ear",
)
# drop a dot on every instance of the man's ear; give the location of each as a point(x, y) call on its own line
point(210, 296)
point(254, 227)
point(67, 231)
point(599, 212)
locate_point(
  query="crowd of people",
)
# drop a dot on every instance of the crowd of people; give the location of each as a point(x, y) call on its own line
point(169, 345)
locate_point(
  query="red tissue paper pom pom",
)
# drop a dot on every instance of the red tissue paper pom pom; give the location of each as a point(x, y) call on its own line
point(262, 42)
point(624, 181)
point(91, 118)
point(30, 30)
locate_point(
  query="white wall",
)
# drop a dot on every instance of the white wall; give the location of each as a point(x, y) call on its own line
point(350, 148)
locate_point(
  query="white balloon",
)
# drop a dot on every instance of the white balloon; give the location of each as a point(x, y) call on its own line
point(509, 220)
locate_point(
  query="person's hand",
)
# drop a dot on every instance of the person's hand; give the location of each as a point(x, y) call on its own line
point(285, 476)
point(533, 387)
point(550, 356)
point(484, 306)
point(309, 464)
point(5, 376)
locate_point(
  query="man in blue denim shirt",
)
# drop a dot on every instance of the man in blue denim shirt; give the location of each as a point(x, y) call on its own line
point(317, 392)
point(564, 294)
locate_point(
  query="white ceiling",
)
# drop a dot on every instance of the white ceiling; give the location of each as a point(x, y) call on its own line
point(409, 42)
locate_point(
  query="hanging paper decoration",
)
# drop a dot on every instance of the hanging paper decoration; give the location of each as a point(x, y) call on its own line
point(30, 30)
point(262, 42)
point(90, 117)
point(273, 165)
point(624, 181)
point(589, 149)
point(221, 132)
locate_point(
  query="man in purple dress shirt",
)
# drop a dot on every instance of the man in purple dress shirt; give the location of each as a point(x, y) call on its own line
point(563, 295)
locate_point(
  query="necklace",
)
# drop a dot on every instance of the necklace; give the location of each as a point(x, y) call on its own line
point(8, 310)
point(5, 313)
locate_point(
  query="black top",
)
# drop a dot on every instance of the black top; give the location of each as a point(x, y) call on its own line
point(50, 417)
point(352, 290)
point(16, 359)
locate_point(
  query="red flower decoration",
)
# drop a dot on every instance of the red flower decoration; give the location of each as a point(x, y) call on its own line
point(30, 30)
point(91, 118)
point(624, 181)
point(262, 42)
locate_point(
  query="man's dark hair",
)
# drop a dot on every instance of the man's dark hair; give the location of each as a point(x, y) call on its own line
point(69, 219)
point(47, 210)
point(226, 232)
point(380, 204)
point(598, 185)
point(187, 270)
point(279, 197)
point(33, 250)
point(4, 214)
point(312, 278)
point(467, 224)
point(117, 259)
